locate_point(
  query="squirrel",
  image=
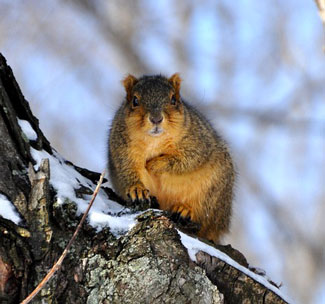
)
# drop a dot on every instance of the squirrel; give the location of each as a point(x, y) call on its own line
point(160, 146)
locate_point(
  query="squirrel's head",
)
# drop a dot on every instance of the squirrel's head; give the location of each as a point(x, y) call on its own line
point(153, 103)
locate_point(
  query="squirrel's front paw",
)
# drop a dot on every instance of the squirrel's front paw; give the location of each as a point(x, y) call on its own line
point(156, 164)
point(182, 217)
point(182, 211)
point(138, 192)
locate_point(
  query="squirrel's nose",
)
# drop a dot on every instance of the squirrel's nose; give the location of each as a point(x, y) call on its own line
point(157, 119)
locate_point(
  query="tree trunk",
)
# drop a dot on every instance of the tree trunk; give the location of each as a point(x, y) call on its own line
point(148, 264)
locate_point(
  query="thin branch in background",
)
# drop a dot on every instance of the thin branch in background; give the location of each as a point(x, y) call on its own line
point(58, 264)
point(321, 8)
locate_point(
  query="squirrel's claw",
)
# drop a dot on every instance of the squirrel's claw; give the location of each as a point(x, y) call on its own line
point(140, 198)
point(185, 223)
point(175, 217)
point(183, 211)
point(138, 192)
point(181, 215)
point(179, 219)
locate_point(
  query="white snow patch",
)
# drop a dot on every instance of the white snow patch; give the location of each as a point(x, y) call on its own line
point(27, 129)
point(8, 211)
point(117, 224)
point(104, 212)
point(193, 246)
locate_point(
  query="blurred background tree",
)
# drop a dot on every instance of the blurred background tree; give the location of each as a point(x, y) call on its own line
point(256, 68)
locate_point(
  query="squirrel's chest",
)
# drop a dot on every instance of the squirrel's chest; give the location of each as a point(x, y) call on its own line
point(143, 150)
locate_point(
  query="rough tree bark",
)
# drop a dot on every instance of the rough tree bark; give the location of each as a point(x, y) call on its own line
point(149, 264)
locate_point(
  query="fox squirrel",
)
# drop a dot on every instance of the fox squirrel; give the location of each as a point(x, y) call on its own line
point(160, 146)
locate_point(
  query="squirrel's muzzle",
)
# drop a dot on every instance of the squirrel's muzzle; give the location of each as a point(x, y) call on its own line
point(156, 119)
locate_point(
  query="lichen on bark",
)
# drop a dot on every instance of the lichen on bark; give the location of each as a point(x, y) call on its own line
point(151, 266)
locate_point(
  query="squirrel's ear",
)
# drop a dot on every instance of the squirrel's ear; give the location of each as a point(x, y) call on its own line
point(175, 80)
point(128, 83)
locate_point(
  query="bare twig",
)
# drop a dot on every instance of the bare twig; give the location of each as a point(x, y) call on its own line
point(58, 264)
point(321, 8)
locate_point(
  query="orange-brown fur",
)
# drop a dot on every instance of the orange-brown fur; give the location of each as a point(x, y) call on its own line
point(187, 167)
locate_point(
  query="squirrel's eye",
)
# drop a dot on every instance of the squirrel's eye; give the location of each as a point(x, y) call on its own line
point(173, 100)
point(135, 101)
